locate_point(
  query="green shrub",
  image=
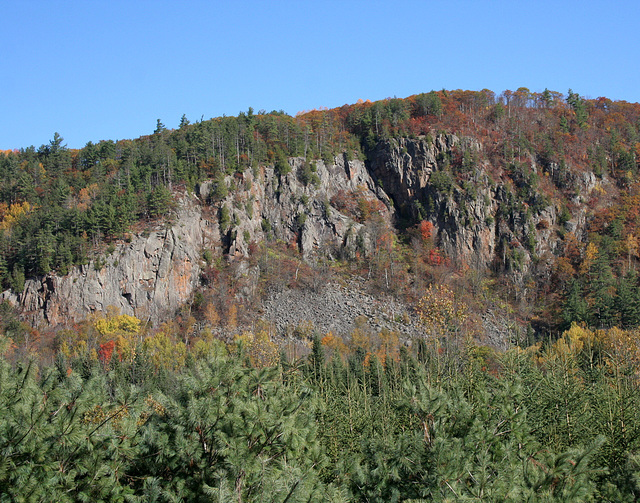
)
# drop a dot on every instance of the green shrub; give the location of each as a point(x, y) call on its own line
point(441, 181)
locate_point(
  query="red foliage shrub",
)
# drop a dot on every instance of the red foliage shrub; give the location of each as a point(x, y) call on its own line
point(105, 352)
point(426, 230)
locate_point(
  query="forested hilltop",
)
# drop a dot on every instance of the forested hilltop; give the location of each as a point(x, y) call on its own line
point(539, 186)
point(426, 298)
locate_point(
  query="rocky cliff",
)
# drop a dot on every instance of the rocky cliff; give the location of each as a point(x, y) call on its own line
point(478, 219)
point(149, 277)
point(157, 271)
point(296, 207)
point(481, 219)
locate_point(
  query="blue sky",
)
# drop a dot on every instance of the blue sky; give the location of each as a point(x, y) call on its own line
point(94, 70)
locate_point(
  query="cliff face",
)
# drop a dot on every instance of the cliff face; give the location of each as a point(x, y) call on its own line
point(466, 216)
point(483, 216)
point(477, 220)
point(157, 271)
point(149, 277)
point(296, 207)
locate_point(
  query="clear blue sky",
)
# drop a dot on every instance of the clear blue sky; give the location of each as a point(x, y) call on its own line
point(94, 70)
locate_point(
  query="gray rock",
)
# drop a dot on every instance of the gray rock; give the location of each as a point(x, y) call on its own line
point(155, 273)
point(150, 277)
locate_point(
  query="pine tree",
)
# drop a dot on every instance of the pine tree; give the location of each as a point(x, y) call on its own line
point(601, 290)
point(575, 309)
point(627, 300)
point(234, 433)
point(316, 360)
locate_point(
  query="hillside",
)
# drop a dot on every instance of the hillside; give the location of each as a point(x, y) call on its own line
point(528, 198)
point(433, 297)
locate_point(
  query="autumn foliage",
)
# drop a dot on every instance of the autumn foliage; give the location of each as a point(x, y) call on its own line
point(106, 352)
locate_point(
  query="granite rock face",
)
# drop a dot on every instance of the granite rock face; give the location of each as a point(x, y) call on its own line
point(295, 210)
point(475, 217)
point(149, 277)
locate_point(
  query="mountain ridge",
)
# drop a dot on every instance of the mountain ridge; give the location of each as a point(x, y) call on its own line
point(516, 195)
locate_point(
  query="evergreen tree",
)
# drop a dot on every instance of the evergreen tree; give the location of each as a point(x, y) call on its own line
point(316, 359)
point(233, 433)
point(577, 105)
point(159, 201)
point(601, 290)
point(627, 300)
point(575, 309)
point(160, 127)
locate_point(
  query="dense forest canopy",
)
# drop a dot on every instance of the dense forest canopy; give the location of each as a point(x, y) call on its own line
point(443, 421)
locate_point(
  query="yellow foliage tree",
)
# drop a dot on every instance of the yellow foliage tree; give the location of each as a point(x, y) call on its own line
point(618, 350)
point(13, 214)
point(334, 344)
point(575, 344)
point(262, 351)
point(440, 312)
point(208, 346)
point(164, 352)
point(590, 255)
point(232, 317)
point(121, 323)
point(362, 336)
point(622, 350)
point(121, 328)
point(211, 315)
point(389, 345)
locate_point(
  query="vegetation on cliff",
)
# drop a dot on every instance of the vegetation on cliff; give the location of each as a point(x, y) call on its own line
point(574, 157)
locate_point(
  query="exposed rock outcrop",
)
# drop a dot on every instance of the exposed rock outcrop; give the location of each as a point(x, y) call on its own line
point(296, 207)
point(149, 277)
point(477, 218)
